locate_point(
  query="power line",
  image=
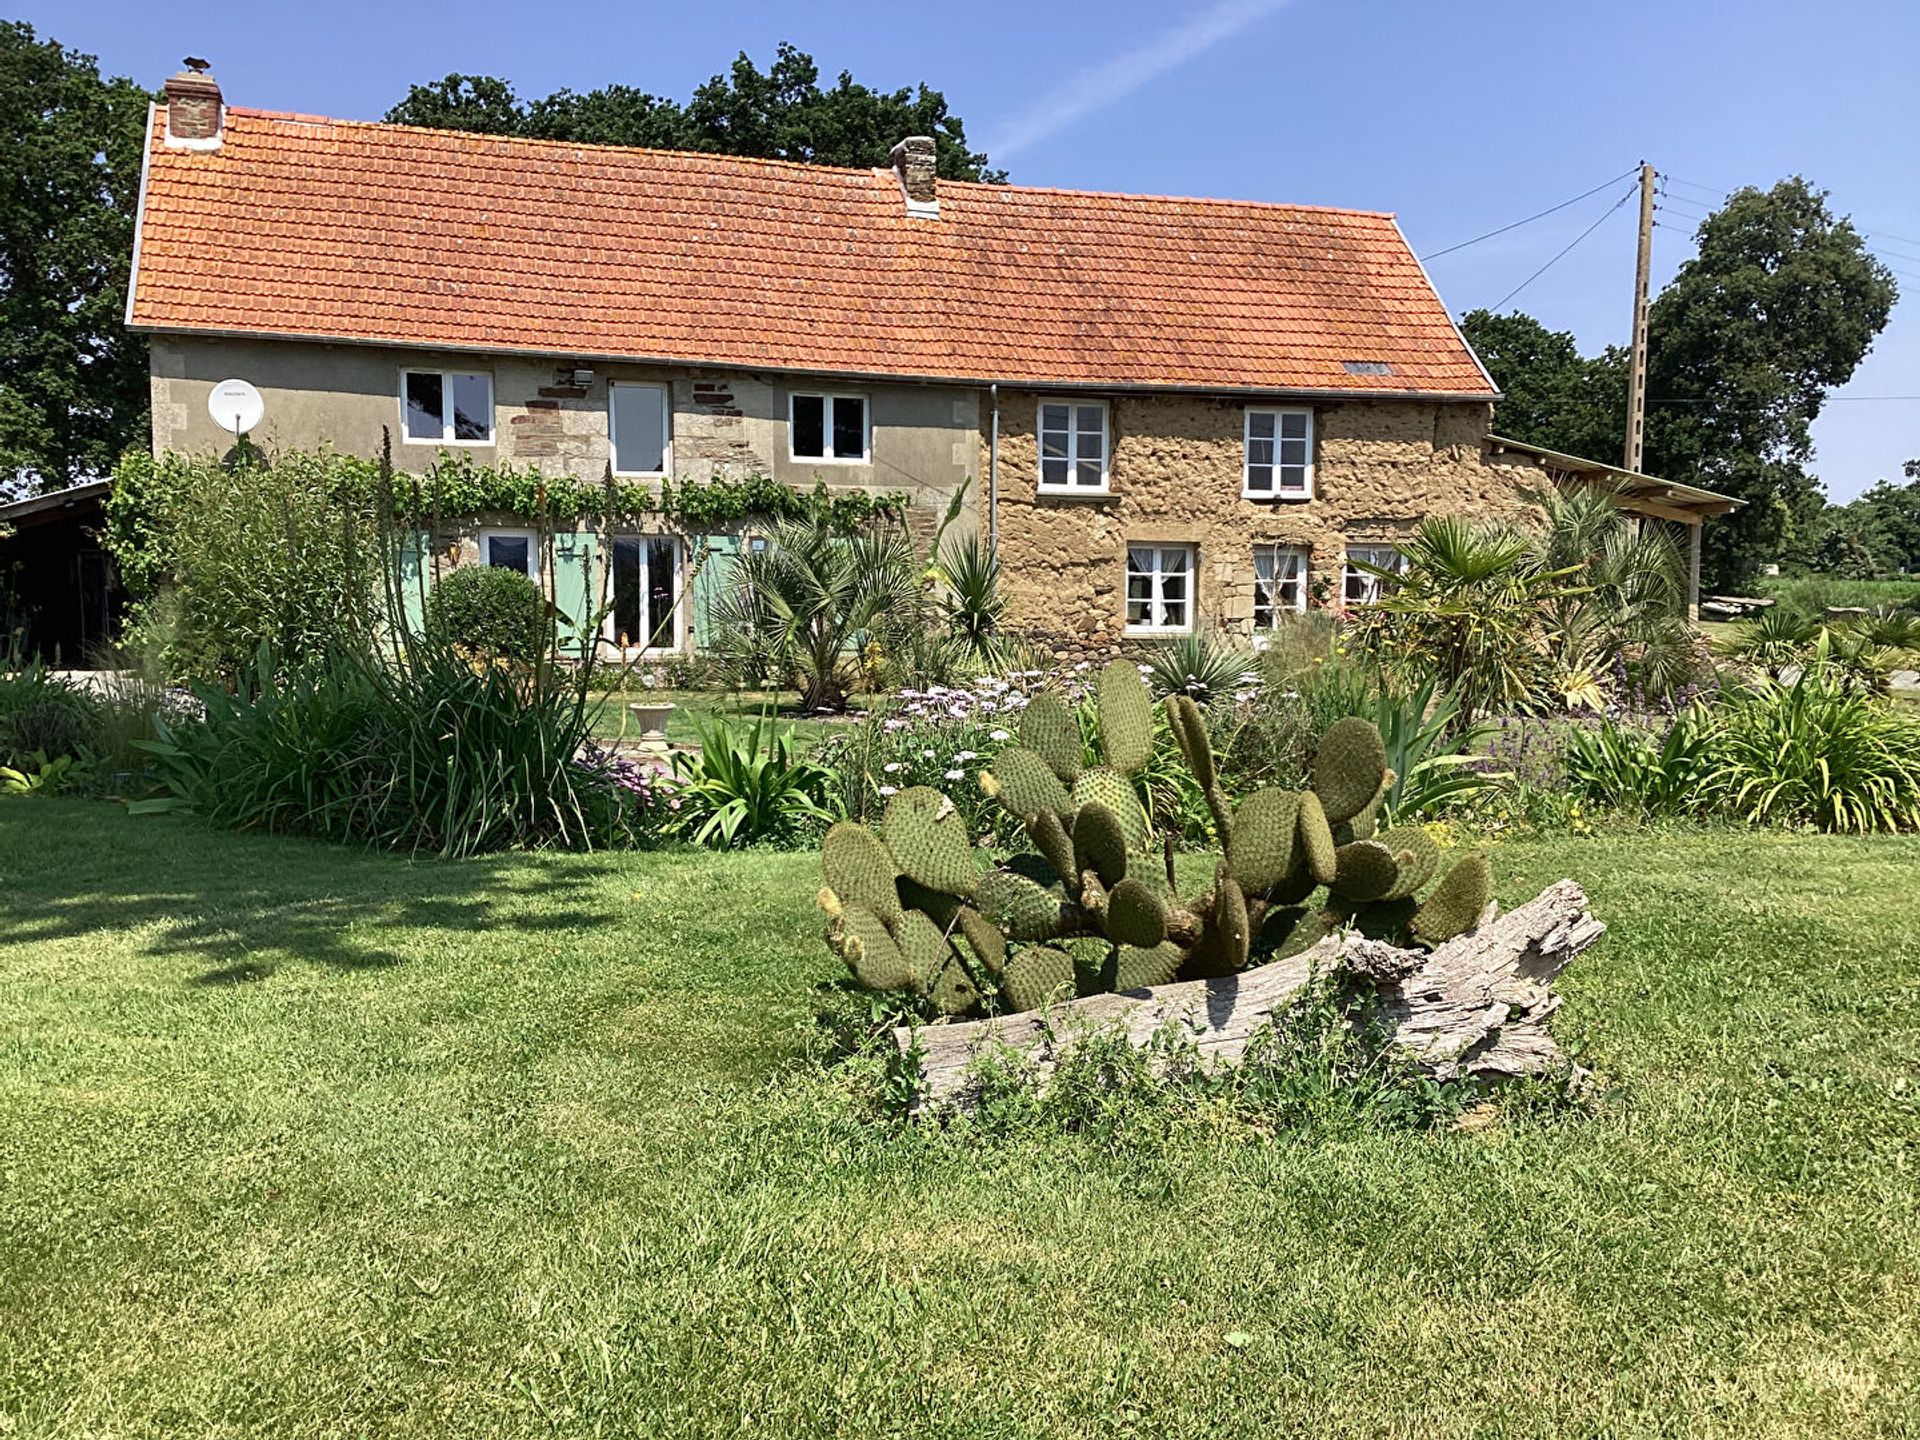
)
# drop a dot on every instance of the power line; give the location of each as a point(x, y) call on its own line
point(1563, 254)
point(1551, 209)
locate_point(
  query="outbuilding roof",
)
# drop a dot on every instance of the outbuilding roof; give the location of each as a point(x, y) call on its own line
point(336, 230)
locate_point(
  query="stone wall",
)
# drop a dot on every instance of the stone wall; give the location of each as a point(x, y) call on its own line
point(1175, 476)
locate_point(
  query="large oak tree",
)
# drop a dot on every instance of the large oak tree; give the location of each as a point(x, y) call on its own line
point(780, 114)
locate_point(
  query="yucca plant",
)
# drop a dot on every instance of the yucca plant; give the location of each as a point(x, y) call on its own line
point(1432, 748)
point(1205, 666)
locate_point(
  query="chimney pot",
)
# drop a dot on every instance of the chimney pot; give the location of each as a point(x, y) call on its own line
point(914, 162)
point(196, 112)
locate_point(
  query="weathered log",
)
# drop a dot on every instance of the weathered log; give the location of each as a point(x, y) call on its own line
point(1476, 1006)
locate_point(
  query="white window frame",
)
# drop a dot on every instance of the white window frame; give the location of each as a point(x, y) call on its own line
point(1157, 602)
point(666, 428)
point(446, 407)
point(1369, 584)
point(1074, 457)
point(610, 627)
point(1281, 552)
point(1302, 491)
point(507, 532)
point(827, 397)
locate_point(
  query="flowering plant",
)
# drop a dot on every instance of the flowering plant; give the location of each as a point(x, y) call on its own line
point(640, 804)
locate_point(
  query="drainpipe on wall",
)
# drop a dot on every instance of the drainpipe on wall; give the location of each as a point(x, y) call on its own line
point(993, 472)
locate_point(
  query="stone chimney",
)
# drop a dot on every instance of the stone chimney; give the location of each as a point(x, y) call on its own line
point(195, 111)
point(913, 162)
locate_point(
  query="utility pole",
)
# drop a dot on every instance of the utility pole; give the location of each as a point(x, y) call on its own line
point(1637, 371)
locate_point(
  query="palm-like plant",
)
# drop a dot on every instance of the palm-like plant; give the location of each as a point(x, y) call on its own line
point(807, 602)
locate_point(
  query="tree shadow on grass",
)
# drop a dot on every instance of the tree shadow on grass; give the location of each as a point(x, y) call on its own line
point(75, 869)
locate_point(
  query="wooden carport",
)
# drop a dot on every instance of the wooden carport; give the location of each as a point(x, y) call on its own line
point(1638, 494)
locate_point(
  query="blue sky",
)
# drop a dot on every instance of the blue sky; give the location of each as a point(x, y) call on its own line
point(1457, 116)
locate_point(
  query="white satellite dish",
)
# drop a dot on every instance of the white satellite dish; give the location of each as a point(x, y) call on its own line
point(235, 406)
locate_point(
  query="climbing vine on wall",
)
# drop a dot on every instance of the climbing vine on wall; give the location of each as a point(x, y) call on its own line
point(146, 492)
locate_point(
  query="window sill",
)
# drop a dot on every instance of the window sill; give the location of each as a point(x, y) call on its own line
point(829, 460)
point(1276, 497)
point(451, 444)
point(1157, 630)
point(1072, 492)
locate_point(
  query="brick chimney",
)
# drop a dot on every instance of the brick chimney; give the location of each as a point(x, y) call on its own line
point(913, 162)
point(195, 110)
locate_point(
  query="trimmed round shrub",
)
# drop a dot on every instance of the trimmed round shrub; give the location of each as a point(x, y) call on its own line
point(491, 610)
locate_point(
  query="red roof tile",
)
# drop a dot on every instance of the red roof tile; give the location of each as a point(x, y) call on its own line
point(348, 231)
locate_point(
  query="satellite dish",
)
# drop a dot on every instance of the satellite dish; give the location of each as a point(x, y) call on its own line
point(235, 406)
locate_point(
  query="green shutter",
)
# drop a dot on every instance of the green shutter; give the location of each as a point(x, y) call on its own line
point(413, 582)
point(715, 575)
point(576, 589)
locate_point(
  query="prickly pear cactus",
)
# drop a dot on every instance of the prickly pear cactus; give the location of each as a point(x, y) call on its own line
point(912, 911)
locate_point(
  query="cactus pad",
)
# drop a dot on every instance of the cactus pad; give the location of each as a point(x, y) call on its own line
point(1023, 782)
point(1229, 923)
point(1126, 718)
point(1456, 904)
point(1100, 786)
point(859, 937)
point(1263, 833)
point(1364, 870)
point(1140, 966)
point(1099, 844)
point(1048, 729)
point(1296, 931)
point(1417, 855)
point(860, 868)
point(1023, 909)
point(1135, 915)
point(928, 837)
point(1037, 974)
point(1347, 767)
point(923, 945)
point(954, 992)
point(935, 906)
point(1051, 840)
point(1316, 839)
point(1190, 734)
point(989, 946)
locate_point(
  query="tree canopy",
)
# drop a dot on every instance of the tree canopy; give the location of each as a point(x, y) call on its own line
point(780, 114)
point(1780, 305)
point(73, 382)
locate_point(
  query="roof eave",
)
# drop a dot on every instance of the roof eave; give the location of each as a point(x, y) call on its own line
point(891, 376)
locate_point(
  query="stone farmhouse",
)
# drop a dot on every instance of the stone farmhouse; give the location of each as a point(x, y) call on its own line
point(1167, 414)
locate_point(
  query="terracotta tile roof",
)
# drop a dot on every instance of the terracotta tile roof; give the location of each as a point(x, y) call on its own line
point(301, 226)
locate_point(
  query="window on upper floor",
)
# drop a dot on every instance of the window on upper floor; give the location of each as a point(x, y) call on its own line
point(446, 407)
point(1279, 584)
point(1279, 463)
point(1159, 589)
point(1363, 586)
point(828, 428)
point(1073, 445)
point(638, 428)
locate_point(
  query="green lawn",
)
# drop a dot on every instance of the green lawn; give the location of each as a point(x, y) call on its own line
point(296, 1141)
point(738, 709)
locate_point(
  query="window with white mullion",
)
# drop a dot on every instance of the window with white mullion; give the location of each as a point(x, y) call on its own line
point(1159, 589)
point(1279, 454)
point(446, 407)
point(828, 427)
point(1073, 445)
point(1279, 584)
point(646, 593)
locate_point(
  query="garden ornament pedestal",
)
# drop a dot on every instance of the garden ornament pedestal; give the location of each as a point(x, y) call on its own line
point(652, 718)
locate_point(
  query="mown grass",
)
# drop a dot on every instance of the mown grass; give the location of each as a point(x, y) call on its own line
point(300, 1141)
